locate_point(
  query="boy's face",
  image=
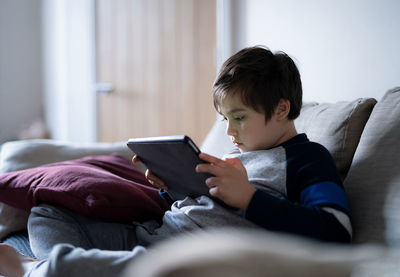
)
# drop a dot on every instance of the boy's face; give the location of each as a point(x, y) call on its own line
point(248, 129)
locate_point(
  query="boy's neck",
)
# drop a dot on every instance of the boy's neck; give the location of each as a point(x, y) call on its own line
point(289, 132)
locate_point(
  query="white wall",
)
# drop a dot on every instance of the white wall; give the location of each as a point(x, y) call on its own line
point(21, 101)
point(345, 49)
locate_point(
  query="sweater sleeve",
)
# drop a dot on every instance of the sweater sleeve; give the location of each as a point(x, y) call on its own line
point(280, 214)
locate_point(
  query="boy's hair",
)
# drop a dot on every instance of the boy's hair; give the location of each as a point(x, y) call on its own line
point(261, 78)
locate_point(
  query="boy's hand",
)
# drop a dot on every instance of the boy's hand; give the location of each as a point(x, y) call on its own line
point(230, 182)
point(153, 179)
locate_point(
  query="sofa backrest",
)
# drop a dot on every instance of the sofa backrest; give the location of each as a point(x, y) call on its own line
point(337, 126)
point(375, 171)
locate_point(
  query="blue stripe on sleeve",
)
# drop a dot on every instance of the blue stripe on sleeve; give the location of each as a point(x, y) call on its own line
point(324, 193)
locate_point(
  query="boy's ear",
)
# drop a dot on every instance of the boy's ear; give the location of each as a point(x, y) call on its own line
point(283, 109)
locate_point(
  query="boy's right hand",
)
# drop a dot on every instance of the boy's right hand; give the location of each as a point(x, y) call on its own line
point(153, 179)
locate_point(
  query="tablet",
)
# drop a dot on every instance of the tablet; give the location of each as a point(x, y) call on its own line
point(173, 159)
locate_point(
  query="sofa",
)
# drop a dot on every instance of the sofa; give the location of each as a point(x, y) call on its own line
point(363, 137)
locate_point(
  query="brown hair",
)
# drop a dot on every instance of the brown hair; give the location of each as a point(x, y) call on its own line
point(261, 78)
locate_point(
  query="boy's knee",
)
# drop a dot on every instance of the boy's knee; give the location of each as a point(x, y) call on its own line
point(45, 219)
point(49, 225)
point(46, 215)
point(49, 211)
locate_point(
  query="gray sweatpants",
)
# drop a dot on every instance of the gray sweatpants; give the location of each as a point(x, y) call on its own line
point(70, 244)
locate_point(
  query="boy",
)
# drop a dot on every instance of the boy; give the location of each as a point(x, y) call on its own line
point(277, 179)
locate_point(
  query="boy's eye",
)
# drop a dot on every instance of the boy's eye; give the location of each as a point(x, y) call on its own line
point(238, 118)
point(235, 118)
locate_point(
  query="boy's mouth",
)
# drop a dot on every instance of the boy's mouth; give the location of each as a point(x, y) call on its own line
point(236, 143)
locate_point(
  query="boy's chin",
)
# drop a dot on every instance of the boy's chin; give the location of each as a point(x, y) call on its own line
point(249, 148)
point(243, 149)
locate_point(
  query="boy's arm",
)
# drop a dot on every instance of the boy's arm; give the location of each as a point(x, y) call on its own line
point(279, 214)
point(231, 185)
point(316, 203)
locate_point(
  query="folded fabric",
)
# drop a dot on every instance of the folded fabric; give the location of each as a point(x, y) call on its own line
point(106, 187)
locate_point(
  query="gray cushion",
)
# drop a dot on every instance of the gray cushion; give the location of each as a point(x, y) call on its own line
point(392, 215)
point(16, 155)
point(23, 154)
point(249, 252)
point(375, 169)
point(337, 126)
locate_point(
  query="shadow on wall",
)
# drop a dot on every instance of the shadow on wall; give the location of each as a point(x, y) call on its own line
point(35, 130)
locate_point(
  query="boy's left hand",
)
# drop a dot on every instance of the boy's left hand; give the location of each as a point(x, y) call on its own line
point(230, 182)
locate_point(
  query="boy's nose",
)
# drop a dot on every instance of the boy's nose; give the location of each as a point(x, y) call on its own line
point(229, 130)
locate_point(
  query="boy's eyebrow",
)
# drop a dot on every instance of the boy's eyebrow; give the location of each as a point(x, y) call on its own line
point(235, 111)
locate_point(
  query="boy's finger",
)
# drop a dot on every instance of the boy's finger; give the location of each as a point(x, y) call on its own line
point(135, 159)
point(154, 180)
point(214, 191)
point(158, 185)
point(211, 159)
point(209, 168)
point(212, 182)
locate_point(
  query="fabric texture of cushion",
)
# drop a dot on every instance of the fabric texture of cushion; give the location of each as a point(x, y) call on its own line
point(375, 170)
point(337, 126)
point(23, 154)
point(392, 215)
point(247, 252)
point(106, 187)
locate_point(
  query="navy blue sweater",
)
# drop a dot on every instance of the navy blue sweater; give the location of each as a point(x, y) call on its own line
point(312, 183)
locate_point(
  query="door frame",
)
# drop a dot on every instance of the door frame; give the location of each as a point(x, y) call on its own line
point(69, 69)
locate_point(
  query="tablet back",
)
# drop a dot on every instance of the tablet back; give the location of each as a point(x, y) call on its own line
point(173, 159)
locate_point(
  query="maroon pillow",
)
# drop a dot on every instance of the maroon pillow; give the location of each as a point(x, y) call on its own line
point(106, 187)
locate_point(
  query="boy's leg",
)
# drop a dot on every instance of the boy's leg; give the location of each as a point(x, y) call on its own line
point(66, 260)
point(50, 225)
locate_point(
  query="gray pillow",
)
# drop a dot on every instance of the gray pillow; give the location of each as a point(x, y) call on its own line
point(375, 170)
point(16, 155)
point(392, 215)
point(249, 252)
point(22, 154)
point(337, 126)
